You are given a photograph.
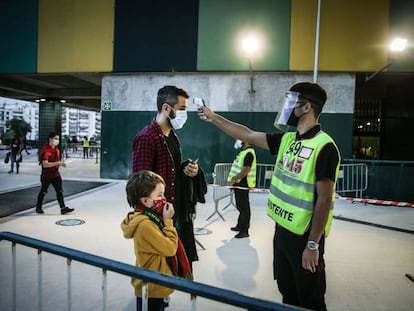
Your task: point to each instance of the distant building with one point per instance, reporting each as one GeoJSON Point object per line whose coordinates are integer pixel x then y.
{"type": "Point", "coordinates": [75, 122]}
{"type": "Point", "coordinates": [20, 109]}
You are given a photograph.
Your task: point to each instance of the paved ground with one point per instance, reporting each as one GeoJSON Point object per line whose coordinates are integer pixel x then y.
{"type": "Point", "coordinates": [366, 266]}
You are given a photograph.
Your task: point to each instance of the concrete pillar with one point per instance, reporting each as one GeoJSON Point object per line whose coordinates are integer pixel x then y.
{"type": "Point", "coordinates": [50, 119]}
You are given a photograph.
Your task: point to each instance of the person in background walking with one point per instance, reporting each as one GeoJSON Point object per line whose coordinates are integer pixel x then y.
{"type": "Point", "coordinates": [50, 161]}
{"type": "Point", "coordinates": [16, 147]}
{"type": "Point", "coordinates": [25, 146]}
{"type": "Point", "coordinates": [64, 146]}
{"type": "Point", "coordinates": [85, 145]}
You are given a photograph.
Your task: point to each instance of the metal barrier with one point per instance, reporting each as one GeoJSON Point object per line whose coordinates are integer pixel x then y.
{"type": "Point", "coordinates": [193, 288]}
{"type": "Point", "coordinates": [388, 179]}
{"type": "Point", "coordinates": [351, 178]}
{"type": "Point", "coordinates": [223, 189]}
{"type": "Point", "coordinates": [221, 171]}
{"type": "Point", "coordinates": [75, 150]}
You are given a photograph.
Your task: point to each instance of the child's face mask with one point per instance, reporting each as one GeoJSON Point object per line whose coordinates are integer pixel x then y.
{"type": "Point", "coordinates": [158, 206]}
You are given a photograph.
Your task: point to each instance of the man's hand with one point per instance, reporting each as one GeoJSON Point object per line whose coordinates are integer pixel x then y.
{"type": "Point", "coordinates": [62, 164]}
{"type": "Point", "coordinates": [310, 259]}
{"type": "Point", "coordinates": [191, 169]}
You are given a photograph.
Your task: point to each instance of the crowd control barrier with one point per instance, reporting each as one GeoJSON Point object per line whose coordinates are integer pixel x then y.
{"type": "Point", "coordinates": [352, 179]}
{"type": "Point", "coordinates": [75, 150]}
{"type": "Point", "coordinates": [223, 189]}
{"type": "Point", "coordinates": [193, 288]}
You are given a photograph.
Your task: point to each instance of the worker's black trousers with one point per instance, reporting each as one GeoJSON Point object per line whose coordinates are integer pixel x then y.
{"type": "Point", "coordinates": [243, 206]}
{"type": "Point", "coordinates": [299, 287]}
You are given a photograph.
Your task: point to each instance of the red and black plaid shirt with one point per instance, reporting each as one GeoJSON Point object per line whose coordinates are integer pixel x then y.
{"type": "Point", "coordinates": [150, 152]}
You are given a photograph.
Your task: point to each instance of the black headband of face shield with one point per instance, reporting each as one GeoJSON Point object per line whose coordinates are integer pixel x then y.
{"type": "Point", "coordinates": [306, 99]}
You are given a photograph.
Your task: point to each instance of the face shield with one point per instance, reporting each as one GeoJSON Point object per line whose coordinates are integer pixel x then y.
{"type": "Point", "coordinates": [286, 119]}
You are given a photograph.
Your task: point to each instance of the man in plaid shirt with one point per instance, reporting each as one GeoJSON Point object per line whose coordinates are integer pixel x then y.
{"type": "Point", "coordinates": [157, 148]}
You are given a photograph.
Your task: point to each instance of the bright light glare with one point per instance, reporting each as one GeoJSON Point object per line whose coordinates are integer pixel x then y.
{"type": "Point", "coordinates": [398, 45]}
{"type": "Point", "coordinates": [250, 45]}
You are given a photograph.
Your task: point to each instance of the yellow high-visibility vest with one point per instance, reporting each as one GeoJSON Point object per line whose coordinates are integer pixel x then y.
{"type": "Point", "coordinates": [292, 190]}
{"type": "Point", "coordinates": [238, 165]}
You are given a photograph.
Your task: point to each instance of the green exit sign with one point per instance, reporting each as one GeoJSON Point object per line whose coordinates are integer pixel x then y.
{"type": "Point", "coordinates": [107, 106]}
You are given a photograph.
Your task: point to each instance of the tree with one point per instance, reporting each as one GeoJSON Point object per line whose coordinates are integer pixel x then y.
{"type": "Point", "coordinates": [19, 126]}
{"type": "Point", "coordinates": [8, 136]}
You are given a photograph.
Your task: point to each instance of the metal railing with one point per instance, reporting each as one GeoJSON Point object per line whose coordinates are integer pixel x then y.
{"type": "Point", "coordinates": [193, 288]}
{"type": "Point", "coordinates": [352, 178]}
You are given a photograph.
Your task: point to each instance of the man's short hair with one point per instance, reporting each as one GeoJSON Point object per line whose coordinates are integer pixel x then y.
{"type": "Point", "coordinates": [169, 94]}
{"type": "Point", "coordinates": [313, 92]}
{"type": "Point", "coordinates": [52, 134]}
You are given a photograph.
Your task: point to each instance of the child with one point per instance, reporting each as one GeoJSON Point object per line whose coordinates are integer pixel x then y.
{"type": "Point", "coordinates": [155, 239]}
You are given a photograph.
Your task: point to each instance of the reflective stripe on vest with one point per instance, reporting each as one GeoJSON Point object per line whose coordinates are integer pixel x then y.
{"type": "Point", "coordinates": [292, 190]}
{"type": "Point", "coordinates": [238, 165]}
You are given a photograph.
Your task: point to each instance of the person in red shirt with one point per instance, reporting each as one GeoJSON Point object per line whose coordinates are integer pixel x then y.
{"type": "Point", "coordinates": [50, 161]}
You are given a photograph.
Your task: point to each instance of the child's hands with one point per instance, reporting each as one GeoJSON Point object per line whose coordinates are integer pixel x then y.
{"type": "Point", "coordinates": [168, 211]}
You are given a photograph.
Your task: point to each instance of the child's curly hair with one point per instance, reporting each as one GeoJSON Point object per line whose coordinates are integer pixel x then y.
{"type": "Point", "coordinates": [141, 184]}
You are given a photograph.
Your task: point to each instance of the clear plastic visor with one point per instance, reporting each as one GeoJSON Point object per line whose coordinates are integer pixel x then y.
{"type": "Point", "coordinates": [281, 121]}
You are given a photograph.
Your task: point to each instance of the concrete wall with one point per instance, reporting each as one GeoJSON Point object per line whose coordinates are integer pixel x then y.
{"type": "Point", "coordinates": [129, 104]}
{"type": "Point", "coordinates": [224, 92]}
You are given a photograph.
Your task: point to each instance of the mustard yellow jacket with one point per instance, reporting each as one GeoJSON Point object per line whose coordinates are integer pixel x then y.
{"type": "Point", "coordinates": [152, 247]}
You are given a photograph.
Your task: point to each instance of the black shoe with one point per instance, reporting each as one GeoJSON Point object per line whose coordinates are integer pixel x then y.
{"type": "Point", "coordinates": [235, 228]}
{"type": "Point", "coordinates": [66, 210]}
{"type": "Point", "coordinates": [241, 235]}
{"type": "Point", "coordinates": [10, 172]}
{"type": "Point", "coordinates": [39, 210]}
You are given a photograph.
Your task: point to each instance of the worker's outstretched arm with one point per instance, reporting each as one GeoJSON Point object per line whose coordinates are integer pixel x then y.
{"type": "Point", "coordinates": [233, 129]}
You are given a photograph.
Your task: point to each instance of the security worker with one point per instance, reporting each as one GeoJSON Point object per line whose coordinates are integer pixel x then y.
{"type": "Point", "coordinates": [302, 191]}
{"type": "Point", "coordinates": [243, 175]}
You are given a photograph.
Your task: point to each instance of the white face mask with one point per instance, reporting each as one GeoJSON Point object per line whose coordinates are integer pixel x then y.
{"type": "Point", "coordinates": [179, 120]}
{"type": "Point", "coordinates": [55, 142]}
{"type": "Point", "coordinates": [238, 144]}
